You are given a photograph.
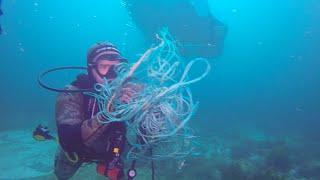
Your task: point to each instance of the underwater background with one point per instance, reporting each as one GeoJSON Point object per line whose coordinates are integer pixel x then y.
{"type": "Point", "coordinates": [259, 108]}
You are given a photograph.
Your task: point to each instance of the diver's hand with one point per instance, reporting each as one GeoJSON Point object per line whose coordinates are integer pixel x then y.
{"type": "Point", "coordinates": [129, 92]}
{"type": "Point", "coordinates": [91, 129]}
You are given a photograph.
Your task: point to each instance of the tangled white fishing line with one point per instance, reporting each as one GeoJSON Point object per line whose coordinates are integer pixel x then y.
{"type": "Point", "coordinates": [160, 106]}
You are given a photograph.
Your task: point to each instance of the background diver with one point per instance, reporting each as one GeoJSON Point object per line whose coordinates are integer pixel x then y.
{"type": "Point", "coordinates": [191, 23]}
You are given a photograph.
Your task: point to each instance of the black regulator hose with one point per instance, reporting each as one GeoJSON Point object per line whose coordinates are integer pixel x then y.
{"type": "Point", "coordinates": [43, 74]}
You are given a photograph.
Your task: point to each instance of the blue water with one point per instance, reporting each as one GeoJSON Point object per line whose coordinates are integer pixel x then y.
{"type": "Point", "coordinates": [264, 85]}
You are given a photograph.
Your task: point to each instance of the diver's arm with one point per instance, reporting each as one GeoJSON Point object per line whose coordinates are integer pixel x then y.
{"type": "Point", "coordinates": [69, 117]}
{"type": "Point", "coordinates": [91, 129]}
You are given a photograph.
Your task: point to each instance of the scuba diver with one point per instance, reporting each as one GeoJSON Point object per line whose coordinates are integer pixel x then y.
{"type": "Point", "coordinates": [94, 112]}
{"type": "Point", "coordinates": [83, 139]}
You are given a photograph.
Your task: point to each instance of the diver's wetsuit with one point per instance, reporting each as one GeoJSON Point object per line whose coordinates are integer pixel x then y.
{"type": "Point", "coordinates": [73, 111]}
